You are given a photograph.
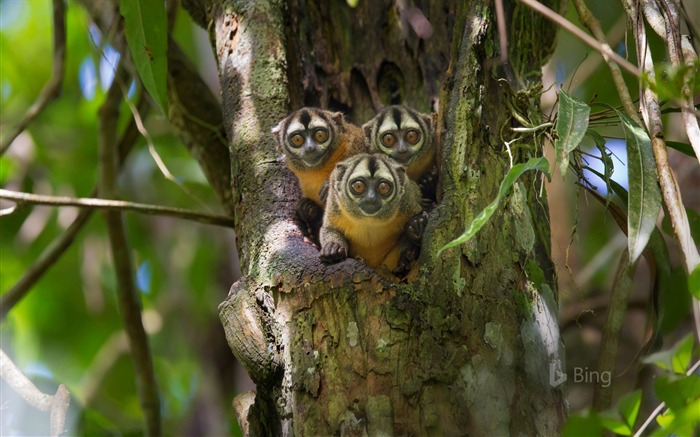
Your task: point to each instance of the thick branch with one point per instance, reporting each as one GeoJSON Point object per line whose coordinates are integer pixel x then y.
{"type": "Point", "coordinates": [116, 205]}
{"type": "Point", "coordinates": [129, 298]}
{"type": "Point", "coordinates": [53, 86]}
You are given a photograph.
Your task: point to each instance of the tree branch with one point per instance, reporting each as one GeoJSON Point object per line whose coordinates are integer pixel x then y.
{"type": "Point", "coordinates": [116, 205]}
{"type": "Point", "coordinates": [57, 248]}
{"type": "Point", "coordinates": [651, 113]}
{"type": "Point", "coordinates": [592, 23]}
{"type": "Point", "coordinates": [603, 48]}
{"type": "Point", "coordinates": [52, 89]}
{"type": "Point", "coordinates": [128, 296]}
{"type": "Point", "coordinates": [57, 404]}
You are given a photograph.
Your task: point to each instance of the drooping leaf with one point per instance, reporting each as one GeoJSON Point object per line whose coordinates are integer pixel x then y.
{"type": "Point", "coordinates": [644, 203]}
{"type": "Point", "coordinates": [145, 26]}
{"type": "Point", "coordinates": [572, 123]}
{"type": "Point", "coordinates": [480, 220]}
{"type": "Point", "coordinates": [675, 359]}
{"type": "Point", "coordinates": [681, 147]}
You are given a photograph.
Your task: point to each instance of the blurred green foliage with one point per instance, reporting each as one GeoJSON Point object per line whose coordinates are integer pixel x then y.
{"type": "Point", "coordinates": [67, 329]}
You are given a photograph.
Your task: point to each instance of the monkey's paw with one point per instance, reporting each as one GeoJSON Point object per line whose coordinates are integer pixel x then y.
{"type": "Point", "coordinates": [307, 210]}
{"type": "Point", "coordinates": [333, 252]}
{"type": "Point", "coordinates": [416, 226]}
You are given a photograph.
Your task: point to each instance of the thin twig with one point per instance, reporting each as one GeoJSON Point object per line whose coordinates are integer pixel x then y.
{"type": "Point", "coordinates": [592, 23]}
{"type": "Point", "coordinates": [52, 89]}
{"type": "Point", "coordinates": [662, 405]}
{"type": "Point", "coordinates": [57, 404]}
{"type": "Point", "coordinates": [116, 205]}
{"type": "Point", "coordinates": [603, 48]}
{"type": "Point", "coordinates": [128, 296]}
{"type": "Point", "coordinates": [58, 247]}
{"type": "Point", "coordinates": [679, 54]}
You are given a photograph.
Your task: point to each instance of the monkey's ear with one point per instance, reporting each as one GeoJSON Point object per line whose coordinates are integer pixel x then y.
{"type": "Point", "coordinates": [338, 117]}
{"type": "Point", "coordinates": [428, 118]}
{"type": "Point", "coordinates": [276, 130]}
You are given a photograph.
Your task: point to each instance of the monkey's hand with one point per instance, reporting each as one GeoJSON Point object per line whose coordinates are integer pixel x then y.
{"type": "Point", "coordinates": [415, 228]}
{"type": "Point", "coordinates": [308, 219]}
{"type": "Point", "coordinates": [333, 252]}
{"type": "Point", "coordinates": [308, 211]}
{"type": "Point", "coordinates": [408, 255]}
{"type": "Point", "coordinates": [428, 184]}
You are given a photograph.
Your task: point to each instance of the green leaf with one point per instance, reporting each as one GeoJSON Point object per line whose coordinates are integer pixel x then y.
{"type": "Point", "coordinates": [572, 123]}
{"type": "Point", "coordinates": [644, 203]}
{"type": "Point", "coordinates": [146, 32]}
{"type": "Point", "coordinates": [694, 282]}
{"type": "Point", "coordinates": [611, 420]}
{"type": "Point", "coordinates": [577, 426]}
{"type": "Point", "coordinates": [681, 147]}
{"type": "Point", "coordinates": [677, 392]}
{"type": "Point", "coordinates": [628, 406]}
{"type": "Point", "coordinates": [675, 359]}
{"type": "Point", "coordinates": [681, 422]}
{"type": "Point", "coordinates": [514, 173]}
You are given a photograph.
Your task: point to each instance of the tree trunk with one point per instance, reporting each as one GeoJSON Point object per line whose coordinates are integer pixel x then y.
{"type": "Point", "coordinates": [465, 344]}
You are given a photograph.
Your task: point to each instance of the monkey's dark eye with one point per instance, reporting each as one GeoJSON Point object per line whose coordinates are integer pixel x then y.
{"type": "Point", "coordinates": [358, 186]}
{"type": "Point", "coordinates": [412, 137]}
{"type": "Point", "coordinates": [384, 188]}
{"type": "Point", "coordinates": [296, 140]}
{"type": "Point", "coordinates": [389, 140]}
{"type": "Point", "coordinates": [320, 136]}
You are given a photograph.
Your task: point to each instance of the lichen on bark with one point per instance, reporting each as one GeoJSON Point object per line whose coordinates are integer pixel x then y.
{"type": "Point", "coordinates": [459, 347]}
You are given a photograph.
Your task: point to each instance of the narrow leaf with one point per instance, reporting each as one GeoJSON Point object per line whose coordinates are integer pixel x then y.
{"type": "Point", "coordinates": [644, 203]}
{"type": "Point", "coordinates": [694, 282]}
{"type": "Point", "coordinates": [145, 26]}
{"type": "Point", "coordinates": [572, 123]}
{"type": "Point", "coordinates": [513, 174]}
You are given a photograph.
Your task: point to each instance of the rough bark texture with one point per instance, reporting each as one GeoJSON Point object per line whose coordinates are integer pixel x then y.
{"type": "Point", "coordinates": [464, 346]}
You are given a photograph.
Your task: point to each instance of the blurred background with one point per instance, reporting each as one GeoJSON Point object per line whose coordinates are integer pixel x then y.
{"type": "Point", "coordinates": [67, 330]}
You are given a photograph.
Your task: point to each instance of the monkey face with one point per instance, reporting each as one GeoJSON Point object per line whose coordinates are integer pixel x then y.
{"type": "Point", "coordinates": [399, 132]}
{"type": "Point", "coordinates": [370, 185]}
{"type": "Point", "coordinates": [308, 136]}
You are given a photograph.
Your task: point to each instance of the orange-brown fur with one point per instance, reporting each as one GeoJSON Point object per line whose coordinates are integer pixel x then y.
{"type": "Point", "coordinates": [376, 241]}
{"type": "Point", "coordinates": [418, 168]}
{"type": "Point", "coordinates": [311, 180]}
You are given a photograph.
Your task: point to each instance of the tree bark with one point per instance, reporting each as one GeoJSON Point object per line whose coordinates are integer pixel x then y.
{"type": "Point", "coordinates": [464, 345]}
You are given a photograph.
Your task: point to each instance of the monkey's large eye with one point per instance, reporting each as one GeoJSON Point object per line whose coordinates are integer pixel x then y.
{"type": "Point", "coordinates": [389, 140]}
{"type": "Point", "coordinates": [358, 186]}
{"type": "Point", "coordinates": [412, 136]}
{"type": "Point", "coordinates": [384, 188]}
{"type": "Point", "coordinates": [320, 136]}
{"type": "Point", "coordinates": [296, 140]}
